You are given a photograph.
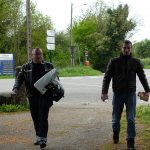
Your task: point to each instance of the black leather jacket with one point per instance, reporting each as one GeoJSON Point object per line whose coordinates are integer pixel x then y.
{"type": "Point", "coordinates": [25, 75]}
{"type": "Point", "coordinates": [123, 72]}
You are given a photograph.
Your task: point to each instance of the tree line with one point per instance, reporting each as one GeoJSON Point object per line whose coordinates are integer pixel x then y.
{"type": "Point", "coordinates": [100, 31]}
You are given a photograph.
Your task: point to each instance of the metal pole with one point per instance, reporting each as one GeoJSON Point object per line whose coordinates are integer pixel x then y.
{"type": "Point", "coordinates": [50, 56]}
{"type": "Point", "coordinates": [71, 41]}
{"type": "Point", "coordinates": [71, 46]}
{"type": "Point", "coordinates": [79, 54]}
{"type": "Point", "coordinates": [28, 19]}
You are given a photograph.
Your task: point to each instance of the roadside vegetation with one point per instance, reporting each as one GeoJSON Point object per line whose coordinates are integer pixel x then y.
{"type": "Point", "coordinates": [6, 76]}
{"type": "Point", "coordinates": [78, 71]}
{"type": "Point", "coordinates": [142, 51]}
{"type": "Point", "coordinates": [146, 63]}
{"type": "Point", "coordinates": [142, 128]}
{"type": "Point", "coordinates": [70, 72]}
{"type": "Point", "coordinates": [13, 107]}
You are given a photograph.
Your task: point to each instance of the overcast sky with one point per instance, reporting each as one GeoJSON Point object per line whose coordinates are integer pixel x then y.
{"type": "Point", "coordinates": [59, 11]}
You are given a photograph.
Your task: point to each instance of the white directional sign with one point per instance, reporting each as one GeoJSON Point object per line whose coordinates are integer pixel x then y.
{"type": "Point", "coordinates": [51, 46]}
{"type": "Point", "coordinates": [6, 56]}
{"type": "Point", "coordinates": [50, 32]}
{"type": "Point", "coordinates": [50, 39]}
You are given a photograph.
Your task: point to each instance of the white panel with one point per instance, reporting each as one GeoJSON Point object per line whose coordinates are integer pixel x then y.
{"type": "Point", "coordinates": [50, 33]}
{"type": "Point", "coordinates": [51, 46]}
{"type": "Point", "coordinates": [51, 40]}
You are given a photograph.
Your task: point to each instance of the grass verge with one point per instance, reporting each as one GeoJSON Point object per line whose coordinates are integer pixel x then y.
{"type": "Point", "coordinates": [78, 71]}
{"type": "Point", "coordinates": [13, 108]}
{"type": "Point", "coordinates": [6, 76]}
{"type": "Point", "coordinates": [142, 129]}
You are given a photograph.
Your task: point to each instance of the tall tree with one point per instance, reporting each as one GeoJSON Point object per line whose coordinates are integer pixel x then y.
{"type": "Point", "coordinates": [61, 55]}
{"type": "Point", "coordinates": [88, 31]}
{"type": "Point", "coordinates": [117, 27]}
{"type": "Point", "coordinates": [105, 30]}
{"type": "Point", "coordinates": [5, 21]}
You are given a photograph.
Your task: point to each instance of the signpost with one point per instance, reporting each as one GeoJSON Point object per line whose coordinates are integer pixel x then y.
{"type": "Point", "coordinates": [6, 64]}
{"type": "Point", "coordinates": [50, 42]}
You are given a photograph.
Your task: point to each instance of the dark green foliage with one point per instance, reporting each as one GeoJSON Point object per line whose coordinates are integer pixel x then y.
{"type": "Point", "coordinates": [61, 55]}
{"type": "Point", "coordinates": [142, 49]}
{"type": "Point", "coordinates": [117, 27]}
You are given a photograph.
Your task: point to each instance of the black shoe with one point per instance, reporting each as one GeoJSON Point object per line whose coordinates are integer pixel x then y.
{"type": "Point", "coordinates": [42, 144]}
{"type": "Point", "coordinates": [130, 144]}
{"type": "Point", "coordinates": [116, 137]}
{"type": "Point", "coordinates": [37, 143]}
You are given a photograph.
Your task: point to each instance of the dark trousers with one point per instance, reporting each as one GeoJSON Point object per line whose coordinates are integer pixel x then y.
{"type": "Point", "coordinates": [39, 107]}
{"type": "Point", "coordinates": [129, 100]}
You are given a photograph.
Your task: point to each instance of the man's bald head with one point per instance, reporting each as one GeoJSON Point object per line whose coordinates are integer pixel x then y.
{"type": "Point", "coordinates": [36, 50]}
{"type": "Point", "coordinates": [37, 55]}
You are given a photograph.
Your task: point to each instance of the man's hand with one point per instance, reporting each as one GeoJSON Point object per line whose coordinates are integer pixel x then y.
{"type": "Point", "coordinates": [144, 96]}
{"type": "Point", "coordinates": [14, 92]}
{"type": "Point", "coordinates": [147, 94]}
{"type": "Point", "coordinates": [104, 97]}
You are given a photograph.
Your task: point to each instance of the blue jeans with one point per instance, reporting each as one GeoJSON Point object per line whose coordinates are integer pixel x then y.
{"type": "Point", "coordinates": [129, 99]}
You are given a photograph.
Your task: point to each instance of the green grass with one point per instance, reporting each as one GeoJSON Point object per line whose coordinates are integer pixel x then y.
{"type": "Point", "coordinates": [142, 129]}
{"type": "Point", "coordinates": [13, 108]}
{"type": "Point", "coordinates": [147, 67]}
{"type": "Point", "coordinates": [78, 71]}
{"type": "Point", "coordinates": [143, 113]}
{"type": "Point", "coordinates": [146, 63]}
{"type": "Point", "coordinates": [6, 76]}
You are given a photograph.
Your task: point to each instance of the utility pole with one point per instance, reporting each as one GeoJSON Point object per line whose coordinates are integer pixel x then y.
{"type": "Point", "coordinates": [28, 21]}
{"type": "Point", "coordinates": [71, 39]}
{"type": "Point", "coordinates": [71, 46]}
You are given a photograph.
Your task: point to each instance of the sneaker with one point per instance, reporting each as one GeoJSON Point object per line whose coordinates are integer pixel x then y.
{"type": "Point", "coordinates": [116, 137]}
{"type": "Point", "coordinates": [42, 144]}
{"type": "Point", "coordinates": [130, 144]}
{"type": "Point", "coordinates": [37, 142]}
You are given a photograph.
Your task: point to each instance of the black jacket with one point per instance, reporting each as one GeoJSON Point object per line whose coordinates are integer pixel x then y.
{"type": "Point", "coordinates": [123, 72]}
{"type": "Point", "coordinates": [25, 75]}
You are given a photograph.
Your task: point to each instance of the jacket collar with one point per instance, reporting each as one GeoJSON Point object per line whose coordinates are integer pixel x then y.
{"type": "Point", "coordinates": [126, 57]}
{"type": "Point", "coordinates": [31, 62]}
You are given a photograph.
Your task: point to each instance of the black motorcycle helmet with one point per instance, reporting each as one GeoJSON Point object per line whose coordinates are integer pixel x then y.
{"type": "Point", "coordinates": [56, 92]}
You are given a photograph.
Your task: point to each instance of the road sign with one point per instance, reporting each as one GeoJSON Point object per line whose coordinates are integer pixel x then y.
{"type": "Point", "coordinates": [51, 46]}
{"type": "Point", "coordinates": [50, 40]}
{"type": "Point", "coordinates": [50, 32]}
{"type": "Point", "coordinates": [6, 64]}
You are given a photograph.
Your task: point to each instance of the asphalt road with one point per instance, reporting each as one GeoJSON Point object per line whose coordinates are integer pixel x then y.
{"type": "Point", "coordinates": [78, 89]}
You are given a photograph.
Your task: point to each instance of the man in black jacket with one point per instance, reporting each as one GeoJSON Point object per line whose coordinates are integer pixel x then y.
{"type": "Point", "coordinates": [123, 72]}
{"type": "Point", "coordinates": [39, 104]}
